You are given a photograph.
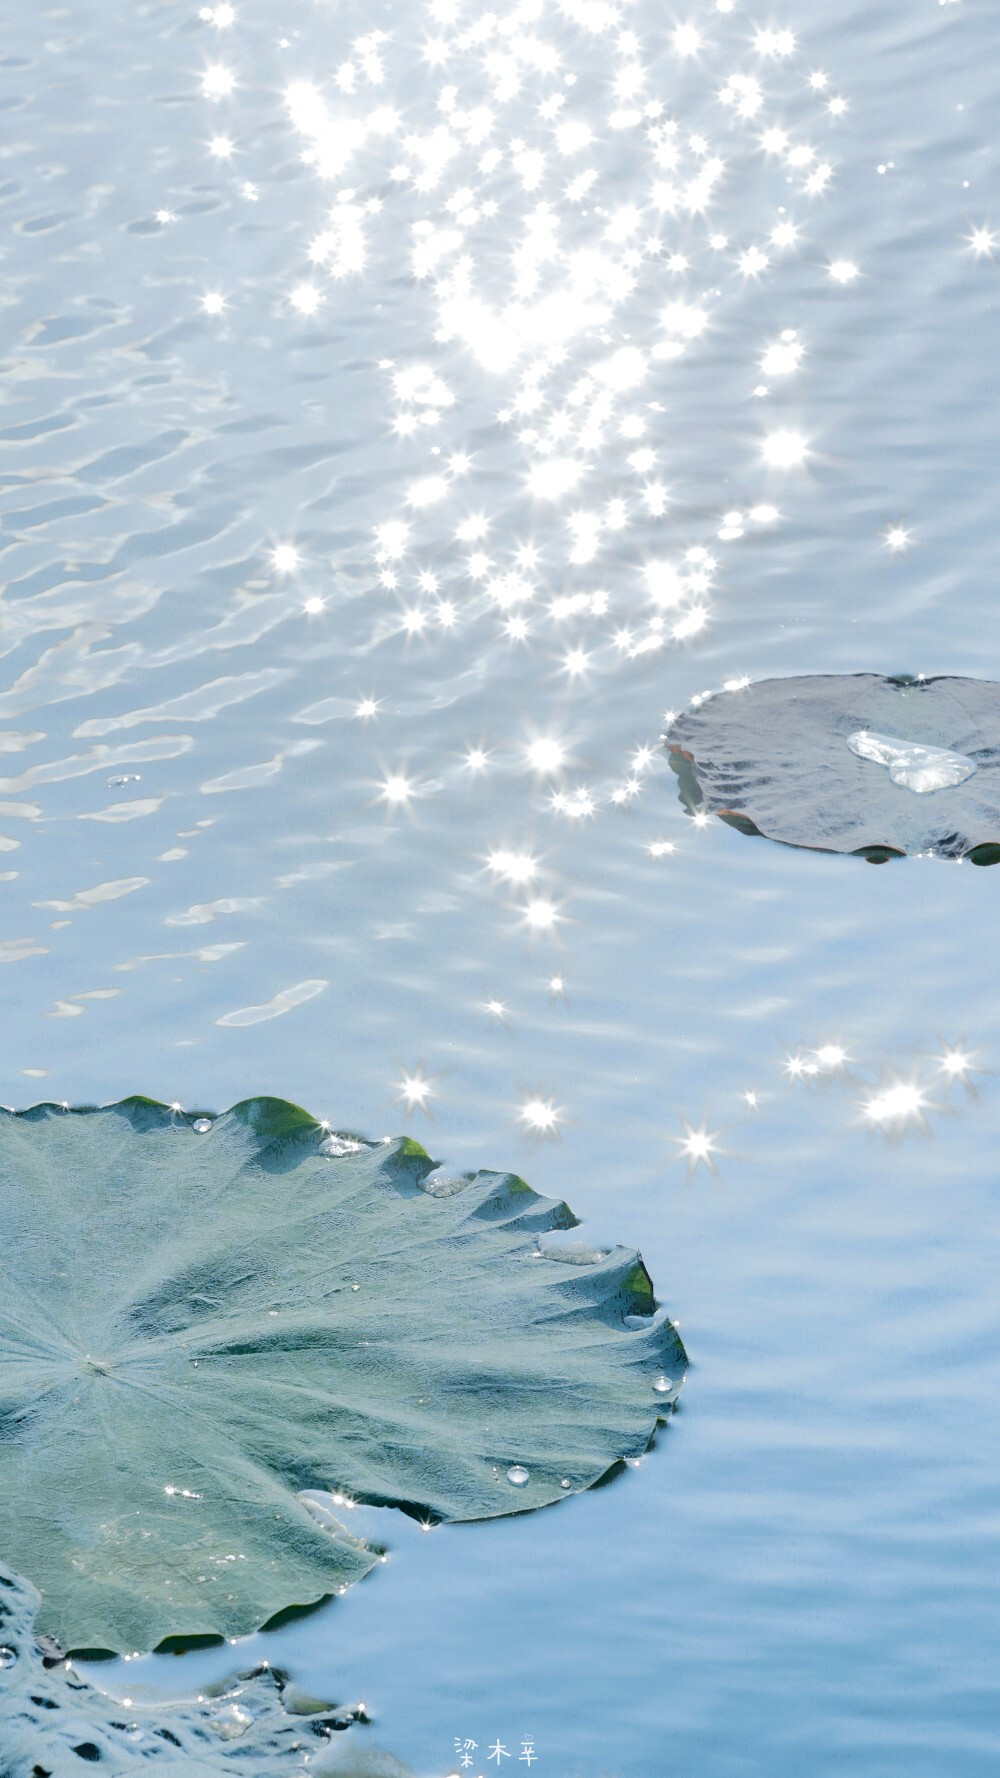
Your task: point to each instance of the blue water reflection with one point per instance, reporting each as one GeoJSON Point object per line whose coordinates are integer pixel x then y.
{"type": "Point", "coordinates": [405, 410]}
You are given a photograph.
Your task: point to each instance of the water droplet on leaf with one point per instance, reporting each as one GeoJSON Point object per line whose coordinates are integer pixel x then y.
{"type": "Point", "coordinates": [230, 1722]}
{"type": "Point", "coordinates": [914, 765]}
{"type": "Point", "coordinates": [337, 1146]}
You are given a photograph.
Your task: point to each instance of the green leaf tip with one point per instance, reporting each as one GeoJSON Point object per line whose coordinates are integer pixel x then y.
{"type": "Point", "coordinates": [411, 1149]}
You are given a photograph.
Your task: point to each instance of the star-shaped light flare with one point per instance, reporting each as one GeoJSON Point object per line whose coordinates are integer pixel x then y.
{"type": "Point", "coordinates": [414, 1090]}
{"type": "Point", "coordinates": [697, 1146]}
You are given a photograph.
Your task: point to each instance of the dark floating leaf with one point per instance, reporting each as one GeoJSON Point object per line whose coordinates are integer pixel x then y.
{"type": "Point", "coordinates": [53, 1721]}
{"type": "Point", "coordinates": [849, 763]}
{"type": "Point", "coordinates": [204, 1317]}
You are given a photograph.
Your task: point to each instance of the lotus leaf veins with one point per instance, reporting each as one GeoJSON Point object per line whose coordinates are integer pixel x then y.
{"type": "Point", "coordinates": [203, 1317]}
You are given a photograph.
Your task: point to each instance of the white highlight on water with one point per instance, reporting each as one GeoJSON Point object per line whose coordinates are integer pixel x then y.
{"type": "Point", "coordinates": [911, 764]}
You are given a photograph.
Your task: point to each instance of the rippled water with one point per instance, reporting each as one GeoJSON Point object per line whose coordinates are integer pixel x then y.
{"type": "Point", "coordinates": [404, 409]}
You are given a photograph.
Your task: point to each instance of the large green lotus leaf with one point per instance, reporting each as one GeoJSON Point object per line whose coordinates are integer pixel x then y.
{"type": "Point", "coordinates": [849, 763]}
{"type": "Point", "coordinates": [255, 1725]}
{"type": "Point", "coordinates": [199, 1323]}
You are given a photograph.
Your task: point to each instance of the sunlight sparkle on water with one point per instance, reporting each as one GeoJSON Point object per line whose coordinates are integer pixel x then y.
{"type": "Point", "coordinates": [391, 539]}
{"type": "Point", "coordinates": [784, 234]}
{"type": "Point", "coordinates": [785, 449]}
{"type": "Point", "coordinates": [687, 40]}
{"type": "Point", "coordinates": [306, 299]}
{"type": "Point", "coordinates": [217, 82]}
{"type": "Point", "coordinates": [689, 625]}
{"type": "Point", "coordinates": [697, 1146]}
{"type": "Point", "coordinates": [900, 1104]}
{"type": "Point", "coordinates": [428, 491]}
{"type": "Point", "coordinates": [415, 1090]}
{"type": "Point", "coordinates": [956, 1063]}
{"type": "Point", "coordinates": [784, 356]}
{"type": "Point", "coordinates": [796, 1066]}
{"type": "Point", "coordinates": [540, 1115]}
{"type": "Point", "coordinates": [546, 754]}
{"type": "Point", "coordinates": [983, 242]}
{"type": "Point", "coordinates": [774, 43]}
{"type": "Point", "coordinates": [396, 790]}
{"type": "Point", "coordinates": [541, 915]}
{"type": "Point", "coordinates": [514, 867]}
{"type": "Point", "coordinates": [598, 486]}
{"type": "Point", "coordinates": [576, 663]}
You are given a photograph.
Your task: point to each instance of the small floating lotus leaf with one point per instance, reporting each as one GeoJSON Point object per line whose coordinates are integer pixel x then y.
{"type": "Point", "coordinates": [254, 1726]}
{"type": "Point", "coordinates": [850, 763]}
{"type": "Point", "coordinates": [197, 1325]}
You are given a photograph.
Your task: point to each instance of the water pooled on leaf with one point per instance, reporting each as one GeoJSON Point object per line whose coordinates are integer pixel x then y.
{"type": "Point", "coordinates": [231, 1721]}
{"type": "Point", "coordinates": [915, 767]}
{"type": "Point", "coordinates": [518, 1475]}
{"type": "Point", "coordinates": [272, 1320]}
{"type": "Point", "coordinates": [849, 763]}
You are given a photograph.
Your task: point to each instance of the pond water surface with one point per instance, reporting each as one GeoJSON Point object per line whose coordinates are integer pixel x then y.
{"type": "Point", "coordinates": [404, 408]}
